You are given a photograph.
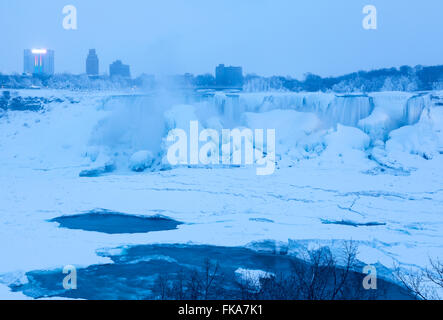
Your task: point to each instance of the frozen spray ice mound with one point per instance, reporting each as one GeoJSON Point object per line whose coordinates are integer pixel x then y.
{"type": "Point", "coordinates": [425, 138]}
{"type": "Point", "coordinates": [298, 133]}
{"type": "Point", "coordinates": [306, 124]}
{"type": "Point", "coordinates": [132, 124]}
{"type": "Point", "coordinates": [346, 138]}
{"type": "Point", "coordinates": [387, 115]}
{"type": "Point", "coordinates": [111, 130]}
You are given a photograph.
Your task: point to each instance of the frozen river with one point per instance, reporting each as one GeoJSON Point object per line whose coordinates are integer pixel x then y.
{"type": "Point", "coordinates": [374, 185]}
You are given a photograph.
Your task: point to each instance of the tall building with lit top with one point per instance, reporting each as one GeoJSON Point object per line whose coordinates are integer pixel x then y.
{"type": "Point", "coordinates": [39, 61]}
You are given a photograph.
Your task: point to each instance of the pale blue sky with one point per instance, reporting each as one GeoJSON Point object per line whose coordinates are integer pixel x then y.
{"type": "Point", "coordinates": [282, 37]}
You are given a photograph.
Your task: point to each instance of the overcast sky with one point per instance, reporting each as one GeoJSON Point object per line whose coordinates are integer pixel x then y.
{"type": "Point", "coordinates": [267, 37]}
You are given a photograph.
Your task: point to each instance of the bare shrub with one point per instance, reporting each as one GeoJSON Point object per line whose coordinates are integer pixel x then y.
{"type": "Point", "coordinates": [190, 284]}
{"type": "Point", "coordinates": [316, 275]}
{"type": "Point", "coordinates": [426, 284]}
{"type": "Point", "coordinates": [319, 276]}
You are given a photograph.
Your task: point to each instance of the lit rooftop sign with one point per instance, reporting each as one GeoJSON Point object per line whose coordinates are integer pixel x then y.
{"type": "Point", "coordinates": [39, 51]}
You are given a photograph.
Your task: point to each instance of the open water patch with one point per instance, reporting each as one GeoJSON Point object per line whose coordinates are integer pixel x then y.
{"type": "Point", "coordinates": [116, 223]}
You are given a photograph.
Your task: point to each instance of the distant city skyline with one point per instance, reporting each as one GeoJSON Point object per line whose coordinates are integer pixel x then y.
{"type": "Point", "coordinates": [267, 37]}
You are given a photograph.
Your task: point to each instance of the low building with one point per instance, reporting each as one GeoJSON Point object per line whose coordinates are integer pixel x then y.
{"type": "Point", "coordinates": [228, 76]}
{"type": "Point", "coordinates": [118, 69]}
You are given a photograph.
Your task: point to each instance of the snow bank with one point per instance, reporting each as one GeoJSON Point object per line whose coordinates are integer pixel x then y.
{"type": "Point", "coordinates": [424, 138]}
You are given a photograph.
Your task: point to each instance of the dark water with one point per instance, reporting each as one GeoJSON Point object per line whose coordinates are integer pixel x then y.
{"type": "Point", "coordinates": [135, 274]}
{"type": "Point", "coordinates": [354, 224]}
{"type": "Point", "coordinates": [116, 223]}
{"type": "Point", "coordinates": [97, 172]}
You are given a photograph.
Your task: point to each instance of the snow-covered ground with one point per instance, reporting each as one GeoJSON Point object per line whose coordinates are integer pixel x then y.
{"type": "Point", "coordinates": [363, 167]}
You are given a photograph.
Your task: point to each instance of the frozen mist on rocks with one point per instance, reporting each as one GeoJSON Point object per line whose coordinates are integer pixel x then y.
{"type": "Point", "coordinates": [366, 167]}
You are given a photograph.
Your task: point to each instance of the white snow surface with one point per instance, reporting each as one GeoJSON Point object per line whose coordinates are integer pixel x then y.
{"type": "Point", "coordinates": [252, 277]}
{"type": "Point", "coordinates": [366, 158]}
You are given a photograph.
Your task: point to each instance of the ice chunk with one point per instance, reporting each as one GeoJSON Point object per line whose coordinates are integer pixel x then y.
{"type": "Point", "coordinates": [141, 160]}
{"type": "Point", "coordinates": [98, 171]}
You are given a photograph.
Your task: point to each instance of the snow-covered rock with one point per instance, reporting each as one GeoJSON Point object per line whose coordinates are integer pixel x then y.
{"type": "Point", "coordinates": [252, 278]}
{"type": "Point", "coordinates": [141, 160]}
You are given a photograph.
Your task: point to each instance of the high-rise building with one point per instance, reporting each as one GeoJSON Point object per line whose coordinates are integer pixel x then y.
{"type": "Point", "coordinates": [39, 61]}
{"type": "Point", "coordinates": [92, 68]}
{"type": "Point", "coordinates": [117, 68]}
{"type": "Point", "coordinates": [229, 76]}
